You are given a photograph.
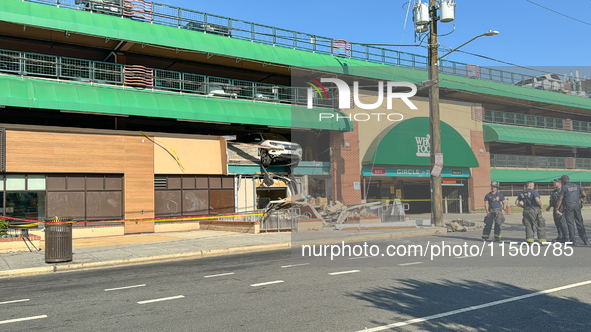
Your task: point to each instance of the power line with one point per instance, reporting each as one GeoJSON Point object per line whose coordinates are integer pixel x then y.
{"type": "Point", "coordinates": [505, 62]}
{"type": "Point", "coordinates": [561, 14]}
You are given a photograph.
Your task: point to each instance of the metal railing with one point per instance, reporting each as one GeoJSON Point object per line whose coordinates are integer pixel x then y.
{"type": "Point", "coordinates": [519, 161]}
{"type": "Point", "coordinates": [256, 216]}
{"type": "Point", "coordinates": [228, 27]}
{"type": "Point", "coordinates": [281, 220]}
{"type": "Point", "coordinates": [537, 121]}
{"type": "Point", "coordinates": [94, 72]}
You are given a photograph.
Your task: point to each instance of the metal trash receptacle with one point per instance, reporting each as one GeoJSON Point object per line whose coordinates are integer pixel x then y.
{"type": "Point", "coordinates": [58, 240]}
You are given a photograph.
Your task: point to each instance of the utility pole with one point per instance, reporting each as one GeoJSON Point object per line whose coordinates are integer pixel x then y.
{"type": "Point", "coordinates": [435, 131]}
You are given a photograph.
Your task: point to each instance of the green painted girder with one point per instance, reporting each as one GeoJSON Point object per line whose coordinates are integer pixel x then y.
{"type": "Point", "coordinates": [524, 175]}
{"type": "Point", "coordinates": [101, 25]}
{"type": "Point", "coordinates": [515, 134]}
{"type": "Point", "coordinates": [83, 97]}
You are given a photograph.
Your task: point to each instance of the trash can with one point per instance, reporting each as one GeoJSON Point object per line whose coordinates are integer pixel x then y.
{"type": "Point", "coordinates": [58, 240]}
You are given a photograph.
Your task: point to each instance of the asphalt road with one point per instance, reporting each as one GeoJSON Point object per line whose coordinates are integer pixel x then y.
{"type": "Point", "coordinates": [282, 291]}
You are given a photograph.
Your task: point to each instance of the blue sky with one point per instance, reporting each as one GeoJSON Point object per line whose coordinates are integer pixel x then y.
{"type": "Point", "coordinates": [529, 35]}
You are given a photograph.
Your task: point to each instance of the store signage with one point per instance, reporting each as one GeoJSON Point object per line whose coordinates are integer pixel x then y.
{"type": "Point", "coordinates": [414, 172]}
{"type": "Point", "coordinates": [423, 146]}
{"type": "Point", "coordinates": [378, 171]}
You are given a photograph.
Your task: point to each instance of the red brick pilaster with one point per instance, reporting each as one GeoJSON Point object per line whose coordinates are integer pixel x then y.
{"type": "Point", "coordinates": [481, 178]}
{"type": "Point", "coordinates": [345, 168]}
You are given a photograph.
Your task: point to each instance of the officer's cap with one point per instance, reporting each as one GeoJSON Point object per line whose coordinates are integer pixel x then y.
{"type": "Point", "coordinates": [556, 180]}
{"type": "Point", "coordinates": [565, 178]}
{"type": "Point", "coordinates": [495, 184]}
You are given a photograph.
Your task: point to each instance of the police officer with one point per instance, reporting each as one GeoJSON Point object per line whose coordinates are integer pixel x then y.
{"type": "Point", "coordinates": [570, 197]}
{"type": "Point", "coordinates": [532, 213]}
{"type": "Point", "coordinates": [495, 205]}
{"type": "Point", "coordinates": [558, 217]}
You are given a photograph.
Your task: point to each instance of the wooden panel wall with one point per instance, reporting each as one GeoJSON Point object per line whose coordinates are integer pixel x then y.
{"type": "Point", "coordinates": [47, 152]}
{"type": "Point", "coordinates": [139, 183]}
{"type": "Point", "coordinates": [198, 156]}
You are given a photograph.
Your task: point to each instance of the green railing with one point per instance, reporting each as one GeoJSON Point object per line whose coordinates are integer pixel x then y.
{"type": "Point", "coordinates": [519, 161]}
{"type": "Point", "coordinates": [94, 72]}
{"type": "Point", "coordinates": [537, 121]}
{"type": "Point", "coordinates": [228, 27]}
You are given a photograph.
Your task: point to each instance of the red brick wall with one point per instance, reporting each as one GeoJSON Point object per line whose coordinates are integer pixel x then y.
{"type": "Point", "coordinates": [480, 181]}
{"type": "Point", "coordinates": [345, 166]}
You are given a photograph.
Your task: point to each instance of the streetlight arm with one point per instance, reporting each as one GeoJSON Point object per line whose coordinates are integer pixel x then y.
{"type": "Point", "coordinates": [455, 49]}
{"type": "Point", "coordinates": [489, 33]}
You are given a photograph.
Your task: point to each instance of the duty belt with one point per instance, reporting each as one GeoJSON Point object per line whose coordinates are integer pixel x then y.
{"type": "Point", "coordinates": [576, 202]}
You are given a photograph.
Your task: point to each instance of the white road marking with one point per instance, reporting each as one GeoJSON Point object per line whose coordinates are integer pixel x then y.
{"type": "Point", "coordinates": [162, 299]}
{"type": "Point", "coordinates": [15, 301]}
{"type": "Point", "coordinates": [126, 287]}
{"type": "Point", "coordinates": [219, 275]}
{"type": "Point", "coordinates": [464, 256]}
{"type": "Point", "coordinates": [267, 283]}
{"type": "Point", "coordinates": [294, 265]}
{"type": "Point", "coordinates": [477, 307]}
{"type": "Point", "coordinates": [414, 263]}
{"type": "Point", "coordinates": [22, 319]}
{"type": "Point", "coordinates": [343, 272]}
{"type": "Point", "coordinates": [359, 257]}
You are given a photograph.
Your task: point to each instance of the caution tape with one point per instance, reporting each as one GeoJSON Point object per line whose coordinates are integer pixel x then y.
{"type": "Point", "coordinates": [32, 223]}
{"type": "Point", "coordinates": [410, 200]}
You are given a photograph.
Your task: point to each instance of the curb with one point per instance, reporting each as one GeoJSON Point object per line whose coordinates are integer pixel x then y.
{"type": "Point", "coordinates": [142, 260]}
{"type": "Point", "coordinates": [210, 253]}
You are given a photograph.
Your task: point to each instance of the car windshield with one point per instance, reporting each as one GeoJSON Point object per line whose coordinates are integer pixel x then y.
{"type": "Point", "coordinates": [274, 137]}
{"type": "Point", "coordinates": [555, 77]}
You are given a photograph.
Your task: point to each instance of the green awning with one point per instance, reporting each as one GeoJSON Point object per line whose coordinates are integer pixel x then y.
{"type": "Point", "coordinates": [407, 144]}
{"type": "Point", "coordinates": [83, 97]}
{"type": "Point", "coordinates": [82, 22]}
{"type": "Point", "coordinates": [524, 175]}
{"type": "Point", "coordinates": [515, 134]}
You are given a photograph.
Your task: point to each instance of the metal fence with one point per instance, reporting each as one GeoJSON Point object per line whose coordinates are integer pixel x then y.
{"type": "Point", "coordinates": [537, 121]}
{"type": "Point", "coordinates": [31, 64]}
{"type": "Point", "coordinates": [518, 161]}
{"type": "Point", "coordinates": [245, 216]}
{"type": "Point", "coordinates": [281, 220]}
{"type": "Point", "coordinates": [232, 28]}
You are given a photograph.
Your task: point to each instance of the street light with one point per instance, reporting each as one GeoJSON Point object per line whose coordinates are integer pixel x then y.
{"type": "Point", "coordinates": [423, 15]}
{"type": "Point", "coordinates": [487, 34]}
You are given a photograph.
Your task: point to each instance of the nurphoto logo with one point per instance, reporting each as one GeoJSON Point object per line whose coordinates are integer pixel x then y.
{"type": "Point", "coordinates": [345, 93]}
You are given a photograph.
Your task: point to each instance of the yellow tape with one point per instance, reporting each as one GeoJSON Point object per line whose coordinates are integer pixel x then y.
{"type": "Point", "coordinates": [145, 220]}
{"type": "Point", "coordinates": [410, 200]}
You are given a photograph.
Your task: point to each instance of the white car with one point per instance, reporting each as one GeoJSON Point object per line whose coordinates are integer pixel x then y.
{"type": "Point", "coordinates": [278, 151]}
{"type": "Point", "coordinates": [549, 82]}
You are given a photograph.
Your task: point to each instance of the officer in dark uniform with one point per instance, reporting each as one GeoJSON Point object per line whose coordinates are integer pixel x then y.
{"type": "Point", "coordinates": [532, 213]}
{"type": "Point", "coordinates": [558, 217]}
{"type": "Point", "coordinates": [570, 197]}
{"type": "Point", "coordinates": [495, 205]}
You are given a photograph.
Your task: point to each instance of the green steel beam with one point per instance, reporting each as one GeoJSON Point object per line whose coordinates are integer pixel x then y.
{"type": "Point", "coordinates": [83, 97]}
{"type": "Point", "coordinates": [101, 25]}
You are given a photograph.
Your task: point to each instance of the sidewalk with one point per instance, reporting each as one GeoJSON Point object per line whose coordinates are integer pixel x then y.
{"type": "Point", "coordinates": [145, 248]}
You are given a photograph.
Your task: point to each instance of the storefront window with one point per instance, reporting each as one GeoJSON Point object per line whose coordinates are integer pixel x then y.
{"type": "Point", "coordinates": [25, 205]}
{"type": "Point", "coordinates": [15, 182]}
{"type": "Point", "coordinates": [36, 182]}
